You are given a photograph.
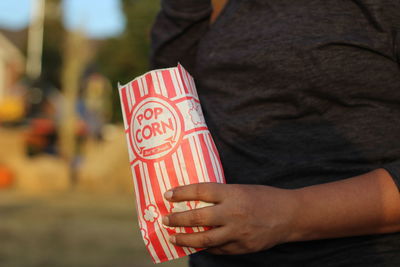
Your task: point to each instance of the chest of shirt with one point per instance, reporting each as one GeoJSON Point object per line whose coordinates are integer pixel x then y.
{"type": "Point", "coordinates": [335, 50]}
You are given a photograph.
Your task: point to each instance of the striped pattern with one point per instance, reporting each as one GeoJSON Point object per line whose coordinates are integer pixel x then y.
{"type": "Point", "coordinates": [195, 160]}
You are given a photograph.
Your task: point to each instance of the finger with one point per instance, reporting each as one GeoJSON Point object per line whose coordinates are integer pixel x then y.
{"type": "Point", "coordinates": [208, 192]}
{"type": "Point", "coordinates": [232, 248]}
{"type": "Point", "coordinates": [208, 216]}
{"type": "Point", "coordinates": [210, 238]}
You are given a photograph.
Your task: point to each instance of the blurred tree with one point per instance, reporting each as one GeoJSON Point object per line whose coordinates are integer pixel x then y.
{"type": "Point", "coordinates": [54, 34]}
{"type": "Point", "coordinates": [76, 56]}
{"type": "Point", "coordinates": [123, 58]}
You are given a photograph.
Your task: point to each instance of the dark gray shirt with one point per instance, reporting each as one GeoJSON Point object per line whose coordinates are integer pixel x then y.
{"type": "Point", "coordinates": [295, 93]}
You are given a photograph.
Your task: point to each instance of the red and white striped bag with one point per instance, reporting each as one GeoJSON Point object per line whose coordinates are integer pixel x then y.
{"type": "Point", "coordinates": [169, 145]}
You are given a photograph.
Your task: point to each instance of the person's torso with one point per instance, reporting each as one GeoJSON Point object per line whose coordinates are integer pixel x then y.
{"type": "Point", "coordinates": [304, 92]}
{"type": "Point", "coordinates": [301, 92]}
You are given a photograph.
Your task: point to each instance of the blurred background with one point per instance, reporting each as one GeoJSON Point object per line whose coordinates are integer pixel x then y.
{"type": "Point", "coordinates": [66, 197]}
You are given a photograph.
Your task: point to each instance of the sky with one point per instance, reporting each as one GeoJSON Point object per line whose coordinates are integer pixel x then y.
{"type": "Point", "coordinates": [99, 18]}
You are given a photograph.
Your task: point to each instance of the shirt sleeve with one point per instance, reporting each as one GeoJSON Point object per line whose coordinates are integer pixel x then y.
{"type": "Point", "coordinates": [177, 31]}
{"type": "Point", "coordinates": [397, 44]}
{"type": "Point", "coordinates": [393, 7]}
{"type": "Point", "coordinates": [394, 170]}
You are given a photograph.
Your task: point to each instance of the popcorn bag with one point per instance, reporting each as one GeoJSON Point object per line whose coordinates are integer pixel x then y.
{"type": "Point", "coordinates": [169, 145]}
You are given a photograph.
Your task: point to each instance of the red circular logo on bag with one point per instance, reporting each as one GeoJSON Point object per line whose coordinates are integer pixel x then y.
{"type": "Point", "coordinates": [155, 128]}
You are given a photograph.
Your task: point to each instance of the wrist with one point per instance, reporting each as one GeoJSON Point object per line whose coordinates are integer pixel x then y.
{"type": "Point", "coordinates": [296, 221]}
{"type": "Point", "coordinates": [285, 214]}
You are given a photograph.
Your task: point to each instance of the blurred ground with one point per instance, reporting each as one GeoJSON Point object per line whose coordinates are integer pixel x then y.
{"type": "Point", "coordinates": [46, 223]}
{"type": "Point", "coordinates": [71, 229]}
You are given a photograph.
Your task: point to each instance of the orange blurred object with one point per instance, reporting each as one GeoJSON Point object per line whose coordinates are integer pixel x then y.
{"type": "Point", "coordinates": [11, 109]}
{"type": "Point", "coordinates": [6, 177]}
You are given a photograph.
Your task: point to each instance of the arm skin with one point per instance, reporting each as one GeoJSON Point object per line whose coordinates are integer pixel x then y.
{"type": "Point", "coordinates": [251, 218]}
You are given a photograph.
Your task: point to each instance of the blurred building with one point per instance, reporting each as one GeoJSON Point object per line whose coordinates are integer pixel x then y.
{"type": "Point", "coordinates": [12, 67]}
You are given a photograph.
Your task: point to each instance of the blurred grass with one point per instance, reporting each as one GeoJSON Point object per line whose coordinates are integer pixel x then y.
{"type": "Point", "coordinates": [71, 229]}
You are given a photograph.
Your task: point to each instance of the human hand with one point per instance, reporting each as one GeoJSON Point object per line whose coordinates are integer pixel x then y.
{"type": "Point", "coordinates": [246, 218]}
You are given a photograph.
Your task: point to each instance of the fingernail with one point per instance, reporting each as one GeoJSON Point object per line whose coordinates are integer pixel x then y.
{"type": "Point", "coordinates": [165, 220]}
{"type": "Point", "coordinates": [168, 194]}
{"type": "Point", "coordinates": [172, 239]}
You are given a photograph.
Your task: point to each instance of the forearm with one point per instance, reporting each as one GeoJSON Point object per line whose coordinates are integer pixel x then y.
{"type": "Point", "coordinates": [251, 218]}
{"type": "Point", "coordinates": [177, 31]}
{"type": "Point", "coordinates": [366, 204]}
